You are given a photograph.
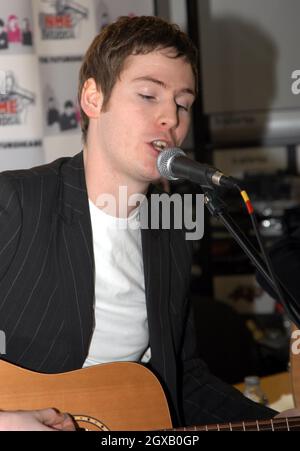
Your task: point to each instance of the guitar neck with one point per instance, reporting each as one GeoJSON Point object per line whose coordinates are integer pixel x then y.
{"type": "Point", "coordinates": [275, 424]}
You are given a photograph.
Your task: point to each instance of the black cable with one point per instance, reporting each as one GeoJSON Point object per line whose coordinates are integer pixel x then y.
{"type": "Point", "coordinates": [292, 307]}
{"type": "Point", "coordinates": [263, 264]}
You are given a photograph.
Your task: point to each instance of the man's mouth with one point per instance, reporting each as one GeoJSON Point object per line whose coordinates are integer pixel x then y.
{"type": "Point", "coordinates": [159, 145]}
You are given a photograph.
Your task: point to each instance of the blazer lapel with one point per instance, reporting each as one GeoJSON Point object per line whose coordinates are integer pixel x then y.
{"type": "Point", "coordinates": [156, 256]}
{"type": "Point", "coordinates": [77, 255]}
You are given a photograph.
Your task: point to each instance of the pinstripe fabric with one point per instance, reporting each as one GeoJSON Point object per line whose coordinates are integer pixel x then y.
{"type": "Point", "coordinates": [47, 291]}
{"type": "Point", "coordinates": [46, 269]}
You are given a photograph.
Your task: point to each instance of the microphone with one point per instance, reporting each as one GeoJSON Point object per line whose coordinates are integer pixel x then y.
{"type": "Point", "coordinates": [173, 164]}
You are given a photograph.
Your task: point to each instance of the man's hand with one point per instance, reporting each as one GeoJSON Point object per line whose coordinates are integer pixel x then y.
{"type": "Point", "coordinates": [36, 420]}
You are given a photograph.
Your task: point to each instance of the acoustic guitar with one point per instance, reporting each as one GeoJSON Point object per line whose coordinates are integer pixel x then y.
{"type": "Point", "coordinates": [116, 396]}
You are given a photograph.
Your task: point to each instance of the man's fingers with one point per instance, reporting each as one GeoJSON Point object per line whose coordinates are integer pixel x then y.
{"type": "Point", "coordinates": [66, 425]}
{"type": "Point", "coordinates": [55, 419]}
{"type": "Point", "coordinates": [48, 416]}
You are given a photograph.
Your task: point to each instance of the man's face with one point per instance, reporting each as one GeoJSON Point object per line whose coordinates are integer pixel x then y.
{"type": "Point", "coordinates": [151, 101]}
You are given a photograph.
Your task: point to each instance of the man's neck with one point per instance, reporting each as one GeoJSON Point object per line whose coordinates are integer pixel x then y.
{"type": "Point", "coordinates": [109, 190]}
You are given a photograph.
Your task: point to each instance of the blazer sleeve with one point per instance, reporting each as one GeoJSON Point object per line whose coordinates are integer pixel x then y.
{"type": "Point", "coordinates": [10, 222]}
{"type": "Point", "coordinates": [206, 399]}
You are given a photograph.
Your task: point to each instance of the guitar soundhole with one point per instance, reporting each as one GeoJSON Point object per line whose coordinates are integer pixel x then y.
{"type": "Point", "coordinates": [89, 424]}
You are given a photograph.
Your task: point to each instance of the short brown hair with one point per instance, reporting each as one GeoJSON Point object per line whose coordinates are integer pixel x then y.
{"type": "Point", "coordinates": [127, 36]}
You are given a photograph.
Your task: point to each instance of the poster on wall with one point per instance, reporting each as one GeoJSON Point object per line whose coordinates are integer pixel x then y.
{"type": "Point", "coordinates": [64, 27]}
{"type": "Point", "coordinates": [61, 146]}
{"type": "Point", "coordinates": [59, 80]}
{"type": "Point", "coordinates": [20, 103]}
{"type": "Point", "coordinates": [76, 23]}
{"type": "Point", "coordinates": [42, 43]}
{"type": "Point", "coordinates": [21, 154]}
{"type": "Point", "coordinates": [16, 27]}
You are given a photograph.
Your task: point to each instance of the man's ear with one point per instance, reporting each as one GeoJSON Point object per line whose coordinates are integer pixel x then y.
{"type": "Point", "coordinates": [91, 98]}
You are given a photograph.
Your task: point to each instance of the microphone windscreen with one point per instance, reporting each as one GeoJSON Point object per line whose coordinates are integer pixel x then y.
{"type": "Point", "coordinates": [165, 158]}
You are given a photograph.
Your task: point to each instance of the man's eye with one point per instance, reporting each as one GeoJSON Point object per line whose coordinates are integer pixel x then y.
{"type": "Point", "coordinates": [146, 97]}
{"type": "Point", "coordinates": [182, 107]}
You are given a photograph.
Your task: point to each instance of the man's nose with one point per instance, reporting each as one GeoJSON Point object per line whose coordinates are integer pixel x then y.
{"type": "Point", "coordinates": [168, 118]}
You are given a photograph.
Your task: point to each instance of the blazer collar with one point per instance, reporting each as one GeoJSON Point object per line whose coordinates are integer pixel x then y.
{"type": "Point", "coordinates": [72, 195]}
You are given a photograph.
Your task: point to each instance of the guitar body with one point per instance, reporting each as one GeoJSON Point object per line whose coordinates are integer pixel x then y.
{"type": "Point", "coordinates": [111, 397]}
{"type": "Point", "coordinates": [116, 396]}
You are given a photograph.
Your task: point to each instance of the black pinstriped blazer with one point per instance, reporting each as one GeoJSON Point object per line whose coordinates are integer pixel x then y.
{"type": "Point", "coordinates": [47, 291]}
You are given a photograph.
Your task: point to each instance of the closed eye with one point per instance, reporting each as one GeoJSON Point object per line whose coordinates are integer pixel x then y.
{"type": "Point", "coordinates": [178, 106]}
{"type": "Point", "coordinates": [147, 97]}
{"type": "Point", "coordinates": [182, 107]}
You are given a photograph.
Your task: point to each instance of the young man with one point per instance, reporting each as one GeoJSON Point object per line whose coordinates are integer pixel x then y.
{"type": "Point", "coordinates": [79, 285]}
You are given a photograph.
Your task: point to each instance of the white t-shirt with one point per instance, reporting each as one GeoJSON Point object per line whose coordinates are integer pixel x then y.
{"type": "Point", "coordinates": [121, 329]}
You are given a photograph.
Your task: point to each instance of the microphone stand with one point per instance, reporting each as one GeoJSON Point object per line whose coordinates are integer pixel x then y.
{"type": "Point", "coordinates": [217, 208]}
